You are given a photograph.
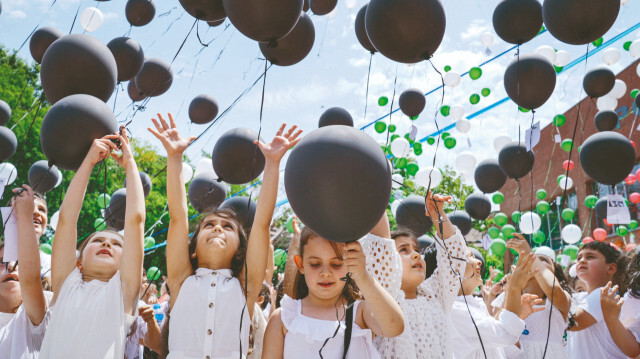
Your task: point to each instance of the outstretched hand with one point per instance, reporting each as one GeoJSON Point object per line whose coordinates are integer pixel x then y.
{"type": "Point", "coordinates": [610, 301]}
{"type": "Point", "coordinates": [127, 155]}
{"type": "Point", "coordinates": [519, 244]}
{"type": "Point", "coordinates": [280, 144]}
{"type": "Point", "coordinates": [527, 301]}
{"type": "Point", "coordinates": [524, 272]}
{"type": "Point", "coordinates": [434, 204]}
{"type": "Point", "coordinates": [101, 149]}
{"type": "Point", "coordinates": [169, 136]}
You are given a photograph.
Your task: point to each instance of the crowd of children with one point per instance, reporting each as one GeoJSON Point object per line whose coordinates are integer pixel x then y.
{"type": "Point", "coordinates": [378, 297]}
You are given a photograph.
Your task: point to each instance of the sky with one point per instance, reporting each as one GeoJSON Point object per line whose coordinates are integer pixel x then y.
{"type": "Point", "coordinates": [333, 74]}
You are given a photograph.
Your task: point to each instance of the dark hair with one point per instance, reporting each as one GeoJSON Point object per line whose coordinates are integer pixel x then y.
{"type": "Point", "coordinates": [430, 252]}
{"type": "Point", "coordinates": [237, 263]}
{"type": "Point", "coordinates": [611, 255]}
{"type": "Point", "coordinates": [265, 293]}
{"type": "Point", "coordinates": [633, 275]}
{"type": "Point", "coordinates": [280, 290]}
{"type": "Point", "coordinates": [559, 273]}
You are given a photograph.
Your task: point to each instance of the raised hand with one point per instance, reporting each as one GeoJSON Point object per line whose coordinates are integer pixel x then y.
{"type": "Point", "coordinates": [434, 204]}
{"type": "Point", "coordinates": [610, 301]}
{"type": "Point", "coordinates": [519, 244]}
{"type": "Point", "coordinates": [23, 202]}
{"type": "Point", "coordinates": [127, 155]}
{"type": "Point", "coordinates": [524, 272]}
{"type": "Point", "coordinates": [169, 136]}
{"type": "Point", "coordinates": [355, 260]}
{"type": "Point", "coordinates": [280, 144]}
{"type": "Point", "coordinates": [101, 149]}
{"type": "Point", "coordinates": [296, 226]}
{"type": "Point", "coordinates": [527, 301]}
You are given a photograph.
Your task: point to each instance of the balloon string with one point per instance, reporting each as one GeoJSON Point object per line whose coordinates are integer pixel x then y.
{"type": "Point", "coordinates": [34, 118]}
{"type": "Point", "coordinates": [91, 18]}
{"type": "Point", "coordinates": [435, 120]}
{"type": "Point", "coordinates": [324, 33]}
{"type": "Point", "coordinates": [36, 27]}
{"type": "Point", "coordinates": [198, 35]}
{"type": "Point", "coordinates": [167, 29]}
{"type": "Point", "coordinates": [633, 125]}
{"type": "Point", "coordinates": [366, 96]}
{"type": "Point", "coordinates": [33, 105]}
{"type": "Point", "coordinates": [183, 42]}
{"type": "Point", "coordinates": [395, 81]}
{"type": "Point", "coordinates": [75, 17]}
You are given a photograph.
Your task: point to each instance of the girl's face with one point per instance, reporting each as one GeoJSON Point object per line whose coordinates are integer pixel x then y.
{"type": "Point", "coordinates": [218, 239]}
{"type": "Point", "coordinates": [101, 256]}
{"type": "Point", "coordinates": [322, 268]}
{"type": "Point", "coordinates": [10, 294]}
{"type": "Point", "coordinates": [472, 274]}
{"type": "Point", "coordinates": [39, 216]}
{"type": "Point", "coordinates": [413, 264]}
{"type": "Point", "coordinates": [593, 268]}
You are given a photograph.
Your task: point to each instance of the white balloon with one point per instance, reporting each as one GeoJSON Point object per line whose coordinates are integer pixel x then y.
{"type": "Point", "coordinates": [203, 165]}
{"type": "Point", "coordinates": [59, 179]}
{"type": "Point", "coordinates": [422, 177]}
{"type": "Point", "coordinates": [610, 56]}
{"type": "Point", "coordinates": [565, 181]}
{"type": "Point", "coordinates": [571, 234]}
{"type": "Point", "coordinates": [400, 147]}
{"type": "Point", "coordinates": [463, 125]}
{"type": "Point", "coordinates": [91, 19]}
{"type": "Point", "coordinates": [573, 271]}
{"type": "Point", "coordinates": [351, 3]}
{"type": "Point", "coordinates": [545, 251]}
{"type": "Point", "coordinates": [548, 52]}
{"type": "Point", "coordinates": [530, 222]}
{"type": "Point", "coordinates": [187, 172]}
{"type": "Point", "coordinates": [53, 222]}
{"type": "Point", "coordinates": [619, 89]}
{"type": "Point", "coordinates": [452, 79]}
{"type": "Point", "coordinates": [456, 112]}
{"type": "Point", "coordinates": [500, 141]}
{"type": "Point", "coordinates": [638, 70]}
{"type": "Point", "coordinates": [395, 205]}
{"type": "Point", "coordinates": [606, 103]}
{"type": "Point", "coordinates": [8, 172]}
{"type": "Point", "coordinates": [562, 58]}
{"type": "Point", "coordinates": [397, 180]}
{"type": "Point", "coordinates": [634, 49]}
{"type": "Point", "coordinates": [486, 39]}
{"type": "Point", "coordinates": [466, 162]}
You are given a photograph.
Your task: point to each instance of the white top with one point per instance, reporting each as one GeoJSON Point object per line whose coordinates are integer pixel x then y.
{"type": "Point", "coordinates": [630, 314]}
{"type": "Point", "coordinates": [205, 318]}
{"type": "Point", "coordinates": [535, 339]}
{"type": "Point", "coordinates": [596, 341]}
{"type": "Point", "coordinates": [426, 333]}
{"type": "Point", "coordinates": [19, 338]}
{"type": "Point", "coordinates": [258, 327]}
{"type": "Point", "coordinates": [497, 336]}
{"type": "Point", "coordinates": [305, 335]}
{"type": "Point", "coordinates": [132, 347]}
{"type": "Point", "coordinates": [87, 320]}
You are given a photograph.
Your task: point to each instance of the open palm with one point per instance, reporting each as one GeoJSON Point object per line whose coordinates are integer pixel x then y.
{"type": "Point", "coordinates": [280, 144]}
{"type": "Point", "coordinates": [169, 136]}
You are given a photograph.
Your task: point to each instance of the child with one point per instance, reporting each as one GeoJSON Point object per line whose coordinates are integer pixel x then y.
{"type": "Point", "coordinates": [598, 264]}
{"type": "Point", "coordinates": [21, 296]}
{"type": "Point", "coordinates": [208, 307]}
{"type": "Point", "coordinates": [547, 284]}
{"type": "Point", "coordinates": [306, 325]}
{"type": "Point", "coordinates": [95, 294]}
{"type": "Point", "coordinates": [426, 302]}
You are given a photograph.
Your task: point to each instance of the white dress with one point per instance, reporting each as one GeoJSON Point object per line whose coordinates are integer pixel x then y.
{"type": "Point", "coordinates": [426, 333]}
{"type": "Point", "coordinates": [305, 335]}
{"type": "Point", "coordinates": [19, 338]}
{"type": "Point", "coordinates": [205, 318]}
{"type": "Point", "coordinates": [87, 320]}
{"type": "Point", "coordinates": [536, 329]}
{"type": "Point", "coordinates": [258, 327]}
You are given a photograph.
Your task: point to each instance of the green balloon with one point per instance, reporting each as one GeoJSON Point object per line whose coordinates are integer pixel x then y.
{"type": "Point", "coordinates": [392, 128]}
{"type": "Point", "coordinates": [380, 127]}
{"type": "Point", "coordinates": [408, 138]}
{"type": "Point", "coordinates": [498, 198]}
{"type": "Point", "coordinates": [598, 42]}
{"type": "Point", "coordinates": [45, 248]}
{"type": "Point", "coordinates": [542, 207]}
{"type": "Point", "coordinates": [412, 169]}
{"type": "Point", "coordinates": [383, 100]}
{"type": "Point", "coordinates": [538, 237]}
{"type": "Point", "coordinates": [500, 219]}
{"type": "Point", "coordinates": [393, 137]}
{"type": "Point", "coordinates": [515, 216]}
{"type": "Point", "coordinates": [558, 69]}
{"type": "Point", "coordinates": [541, 194]}
{"type": "Point", "coordinates": [475, 73]}
{"type": "Point", "coordinates": [634, 93]}
{"type": "Point", "coordinates": [474, 99]}
{"type": "Point", "coordinates": [445, 135]}
{"type": "Point", "coordinates": [444, 110]}
{"type": "Point", "coordinates": [567, 145]}
{"type": "Point", "coordinates": [541, 30]}
{"type": "Point", "coordinates": [590, 201]}
{"type": "Point", "coordinates": [449, 142]}
{"type": "Point", "coordinates": [289, 224]}
{"type": "Point", "coordinates": [515, 253]}
{"type": "Point", "coordinates": [401, 163]}
{"type": "Point", "coordinates": [493, 232]}
{"type": "Point", "coordinates": [571, 251]}
{"type": "Point", "coordinates": [417, 151]}
{"type": "Point", "coordinates": [568, 214]}
{"type": "Point", "coordinates": [103, 200]}
{"type": "Point", "coordinates": [149, 242]}
{"type": "Point", "coordinates": [153, 273]}
{"type": "Point", "coordinates": [627, 45]}
{"type": "Point", "coordinates": [485, 92]}
{"type": "Point", "coordinates": [560, 178]}
{"type": "Point", "coordinates": [499, 275]}
{"type": "Point", "coordinates": [522, 109]}
{"type": "Point", "coordinates": [431, 140]}
{"type": "Point", "coordinates": [501, 236]}
{"type": "Point", "coordinates": [413, 118]}
{"type": "Point", "coordinates": [633, 224]}
{"type": "Point", "coordinates": [559, 120]}
{"type": "Point", "coordinates": [417, 146]}
{"type": "Point", "coordinates": [279, 257]}
{"type": "Point", "coordinates": [100, 224]}
{"type": "Point", "coordinates": [498, 247]}
{"type": "Point", "coordinates": [447, 68]}
{"type": "Point", "coordinates": [508, 231]}
{"type": "Point", "coordinates": [622, 231]}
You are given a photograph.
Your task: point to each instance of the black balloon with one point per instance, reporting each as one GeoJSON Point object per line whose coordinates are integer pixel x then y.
{"type": "Point", "coordinates": [412, 102]}
{"type": "Point", "coordinates": [41, 40]}
{"type": "Point", "coordinates": [333, 173]}
{"type": "Point", "coordinates": [154, 78]}
{"type": "Point", "coordinates": [515, 161]}
{"type": "Point", "coordinates": [598, 82]}
{"type": "Point", "coordinates": [78, 64]}
{"type": "Point", "coordinates": [517, 21]}
{"type": "Point", "coordinates": [236, 159]}
{"type": "Point", "coordinates": [606, 120]}
{"type": "Point", "coordinates": [361, 31]}
{"type": "Point", "coordinates": [607, 157]}
{"type": "Point", "coordinates": [535, 82]}
{"type": "Point", "coordinates": [322, 7]}
{"type": "Point", "coordinates": [140, 12]}
{"type": "Point", "coordinates": [5, 113]}
{"type": "Point", "coordinates": [579, 22]}
{"type": "Point", "coordinates": [146, 183]}
{"type": "Point", "coordinates": [42, 178]}
{"type": "Point", "coordinates": [407, 31]}
{"type": "Point", "coordinates": [207, 10]}
{"type": "Point", "coordinates": [294, 47]}
{"type": "Point", "coordinates": [411, 215]}
{"type": "Point", "coordinates": [205, 192]}
{"type": "Point", "coordinates": [203, 109]}
{"type": "Point", "coordinates": [478, 206]}
{"type": "Point", "coordinates": [112, 221]}
{"type": "Point", "coordinates": [601, 208]}
{"type": "Point", "coordinates": [305, 6]}
{"type": "Point", "coordinates": [335, 116]}
{"type": "Point", "coordinates": [215, 23]}
{"type": "Point", "coordinates": [134, 94]}
{"type": "Point", "coordinates": [245, 209]}
{"type": "Point", "coordinates": [424, 242]}
{"type": "Point", "coordinates": [71, 125]}
{"type": "Point", "coordinates": [128, 55]}
{"type": "Point", "coordinates": [118, 204]}
{"type": "Point", "coordinates": [263, 20]}
{"type": "Point", "coordinates": [489, 176]}
{"type": "Point", "coordinates": [8, 143]}
{"type": "Point", "coordinates": [462, 220]}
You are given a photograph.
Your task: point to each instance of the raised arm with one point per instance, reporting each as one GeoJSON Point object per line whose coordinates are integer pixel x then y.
{"type": "Point", "coordinates": [63, 254]}
{"type": "Point", "coordinates": [133, 246]}
{"type": "Point", "coordinates": [611, 307]}
{"type": "Point", "coordinates": [29, 256]}
{"type": "Point", "coordinates": [259, 238]}
{"type": "Point", "coordinates": [290, 267]}
{"type": "Point", "coordinates": [518, 281]}
{"type": "Point", "coordinates": [178, 262]}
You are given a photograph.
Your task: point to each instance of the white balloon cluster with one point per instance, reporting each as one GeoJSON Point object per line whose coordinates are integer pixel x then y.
{"type": "Point", "coordinates": [548, 52]}
{"type": "Point", "coordinates": [91, 19]}
{"type": "Point", "coordinates": [571, 233]}
{"type": "Point", "coordinates": [606, 103]}
{"type": "Point", "coordinates": [8, 172]}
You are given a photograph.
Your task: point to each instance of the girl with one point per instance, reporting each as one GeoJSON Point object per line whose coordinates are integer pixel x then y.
{"type": "Point", "coordinates": [95, 295]}
{"type": "Point", "coordinates": [206, 307]}
{"type": "Point", "coordinates": [306, 324]}
{"type": "Point", "coordinates": [547, 283]}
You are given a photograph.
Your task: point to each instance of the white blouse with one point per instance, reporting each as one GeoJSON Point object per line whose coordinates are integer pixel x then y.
{"type": "Point", "coordinates": [534, 338]}
{"type": "Point", "coordinates": [258, 327]}
{"type": "Point", "coordinates": [19, 338]}
{"type": "Point", "coordinates": [87, 320]}
{"type": "Point", "coordinates": [205, 318]}
{"type": "Point", "coordinates": [426, 333]}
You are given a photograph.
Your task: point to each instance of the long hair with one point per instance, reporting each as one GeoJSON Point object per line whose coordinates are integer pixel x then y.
{"type": "Point", "coordinates": [633, 275]}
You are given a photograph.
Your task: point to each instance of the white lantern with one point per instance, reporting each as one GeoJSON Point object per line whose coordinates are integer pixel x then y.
{"type": "Point", "coordinates": [422, 177]}
{"type": "Point", "coordinates": [530, 222]}
{"type": "Point", "coordinates": [456, 112]}
{"type": "Point", "coordinates": [610, 56]}
{"type": "Point", "coordinates": [565, 182]}
{"type": "Point", "coordinates": [187, 172]}
{"type": "Point", "coordinates": [571, 234]}
{"type": "Point", "coordinates": [619, 89]}
{"type": "Point", "coordinates": [91, 19]}
{"type": "Point", "coordinates": [8, 172]}
{"type": "Point", "coordinates": [53, 222]}
{"type": "Point", "coordinates": [545, 251]}
{"type": "Point", "coordinates": [400, 147]}
{"type": "Point", "coordinates": [452, 79]}
{"type": "Point", "coordinates": [463, 125]}
{"type": "Point", "coordinates": [486, 39]}
{"type": "Point", "coordinates": [606, 103]}
{"type": "Point", "coordinates": [634, 49]}
{"type": "Point", "coordinates": [203, 165]}
{"type": "Point", "coordinates": [548, 52]}
{"type": "Point", "coordinates": [397, 180]}
{"type": "Point", "coordinates": [395, 205]}
{"type": "Point", "coordinates": [562, 58]}
{"type": "Point", "coordinates": [500, 141]}
{"type": "Point", "coordinates": [466, 162]}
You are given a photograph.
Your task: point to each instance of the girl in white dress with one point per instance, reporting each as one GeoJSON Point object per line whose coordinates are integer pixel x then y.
{"type": "Point", "coordinates": [95, 295]}
{"type": "Point", "coordinates": [210, 311]}
{"type": "Point", "coordinates": [306, 325]}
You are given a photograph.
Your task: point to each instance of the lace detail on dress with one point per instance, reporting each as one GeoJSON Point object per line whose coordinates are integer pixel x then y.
{"type": "Point", "coordinates": [383, 262]}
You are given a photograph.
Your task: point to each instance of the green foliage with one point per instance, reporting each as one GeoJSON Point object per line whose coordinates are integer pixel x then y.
{"type": "Point", "coordinates": [490, 260]}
